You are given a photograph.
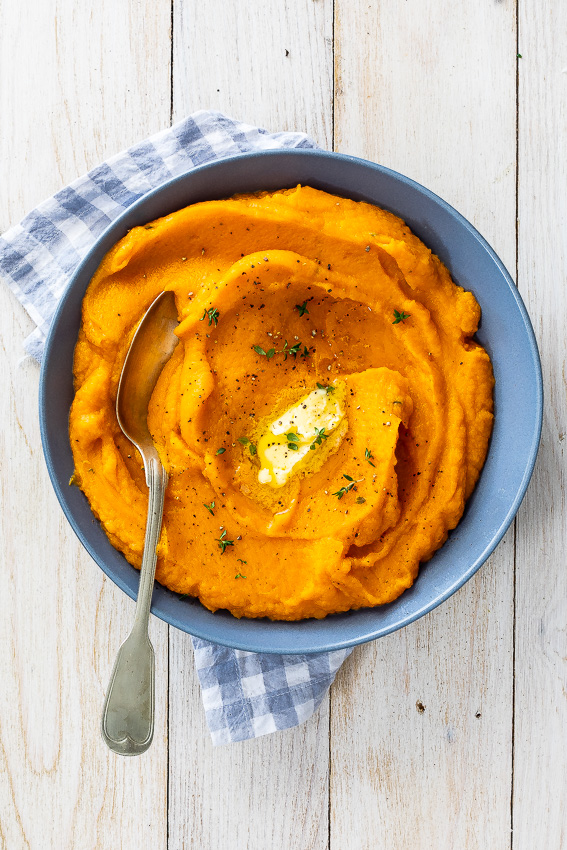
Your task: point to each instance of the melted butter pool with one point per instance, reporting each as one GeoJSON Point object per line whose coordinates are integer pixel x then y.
{"type": "Point", "coordinates": [296, 434]}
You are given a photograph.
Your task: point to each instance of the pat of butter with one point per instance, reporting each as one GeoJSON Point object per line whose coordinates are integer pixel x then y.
{"type": "Point", "coordinates": [316, 411]}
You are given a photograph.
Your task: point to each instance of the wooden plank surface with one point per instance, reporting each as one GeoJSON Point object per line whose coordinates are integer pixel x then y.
{"type": "Point", "coordinates": [267, 63]}
{"type": "Point", "coordinates": [66, 76]}
{"type": "Point", "coordinates": [273, 791]}
{"type": "Point", "coordinates": [540, 750]}
{"type": "Point", "coordinates": [421, 720]}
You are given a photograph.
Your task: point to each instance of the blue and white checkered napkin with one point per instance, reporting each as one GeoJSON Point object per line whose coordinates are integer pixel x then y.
{"type": "Point", "coordinates": [245, 694]}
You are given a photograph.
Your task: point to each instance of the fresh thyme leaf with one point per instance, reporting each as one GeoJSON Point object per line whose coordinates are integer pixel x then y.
{"type": "Point", "coordinates": [400, 317]}
{"type": "Point", "coordinates": [293, 446]}
{"type": "Point", "coordinates": [212, 314]}
{"type": "Point", "coordinates": [360, 500]}
{"type": "Point", "coordinates": [369, 457]}
{"type": "Point", "coordinates": [220, 451]}
{"type": "Point", "coordinates": [209, 507]}
{"type": "Point", "coordinates": [239, 575]}
{"type": "Point", "coordinates": [352, 483]}
{"type": "Point", "coordinates": [223, 542]}
{"type": "Point", "coordinates": [302, 308]}
{"type": "Point", "coordinates": [246, 442]}
{"type": "Point", "coordinates": [240, 561]}
{"type": "Point", "coordinates": [293, 350]}
{"type": "Point", "coordinates": [328, 389]}
{"type": "Point", "coordinates": [259, 350]}
{"type": "Point", "coordinates": [319, 437]}
{"type": "Point", "coordinates": [292, 438]}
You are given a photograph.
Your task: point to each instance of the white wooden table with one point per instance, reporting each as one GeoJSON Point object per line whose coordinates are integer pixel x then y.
{"type": "Point", "coordinates": [451, 734]}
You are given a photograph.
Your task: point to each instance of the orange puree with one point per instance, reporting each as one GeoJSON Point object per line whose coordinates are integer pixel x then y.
{"type": "Point", "coordinates": [280, 295]}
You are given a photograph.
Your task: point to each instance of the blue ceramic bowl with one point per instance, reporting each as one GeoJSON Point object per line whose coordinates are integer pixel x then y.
{"type": "Point", "coordinates": [505, 332]}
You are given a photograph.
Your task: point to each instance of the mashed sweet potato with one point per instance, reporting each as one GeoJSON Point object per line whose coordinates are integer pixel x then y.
{"type": "Point", "coordinates": [291, 303]}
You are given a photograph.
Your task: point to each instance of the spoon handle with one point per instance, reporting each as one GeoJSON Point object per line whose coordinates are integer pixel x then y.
{"type": "Point", "coordinates": [128, 713]}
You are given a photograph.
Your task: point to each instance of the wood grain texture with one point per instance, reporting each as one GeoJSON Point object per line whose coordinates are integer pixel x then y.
{"type": "Point", "coordinates": [540, 753]}
{"type": "Point", "coordinates": [265, 62]}
{"type": "Point", "coordinates": [264, 793]}
{"type": "Point", "coordinates": [67, 75]}
{"type": "Point", "coordinates": [428, 88]}
{"type": "Point", "coordinates": [421, 720]}
{"type": "Point", "coordinates": [273, 791]}
{"type": "Point", "coordinates": [78, 85]}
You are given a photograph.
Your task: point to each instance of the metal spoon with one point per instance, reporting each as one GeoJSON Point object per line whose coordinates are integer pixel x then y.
{"type": "Point", "coordinates": [128, 714]}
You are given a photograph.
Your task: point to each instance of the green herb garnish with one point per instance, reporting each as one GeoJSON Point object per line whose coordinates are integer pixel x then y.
{"type": "Point", "coordinates": [220, 451]}
{"type": "Point", "coordinates": [319, 437]}
{"type": "Point", "coordinates": [240, 561]}
{"type": "Point", "coordinates": [223, 542]}
{"type": "Point", "coordinates": [246, 442]}
{"type": "Point", "coordinates": [400, 317]}
{"type": "Point", "coordinates": [293, 350]}
{"type": "Point", "coordinates": [369, 457]}
{"type": "Point", "coordinates": [259, 350]}
{"type": "Point", "coordinates": [328, 389]}
{"type": "Point", "coordinates": [302, 308]}
{"type": "Point", "coordinates": [352, 483]}
{"type": "Point", "coordinates": [239, 575]}
{"type": "Point", "coordinates": [212, 314]}
{"type": "Point", "coordinates": [292, 441]}
{"type": "Point", "coordinates": [209, 507]}
{"type": "Point", "coordinates": [360, 500]}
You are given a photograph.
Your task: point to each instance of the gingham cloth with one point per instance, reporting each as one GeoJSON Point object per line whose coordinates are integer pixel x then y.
{"type": "Point", "coordinates": [245, 694]}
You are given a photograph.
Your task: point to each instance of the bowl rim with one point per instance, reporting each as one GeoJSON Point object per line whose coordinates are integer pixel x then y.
{"type": "Point", "coordinates": [237, 642]}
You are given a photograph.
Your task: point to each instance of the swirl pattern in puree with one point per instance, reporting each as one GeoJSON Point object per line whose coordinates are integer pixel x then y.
{"type": "Point", "coordinates": [283, 298]}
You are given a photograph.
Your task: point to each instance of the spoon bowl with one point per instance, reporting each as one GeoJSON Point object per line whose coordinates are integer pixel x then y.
{"type": "Point", "coordinates": [150, 349]}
